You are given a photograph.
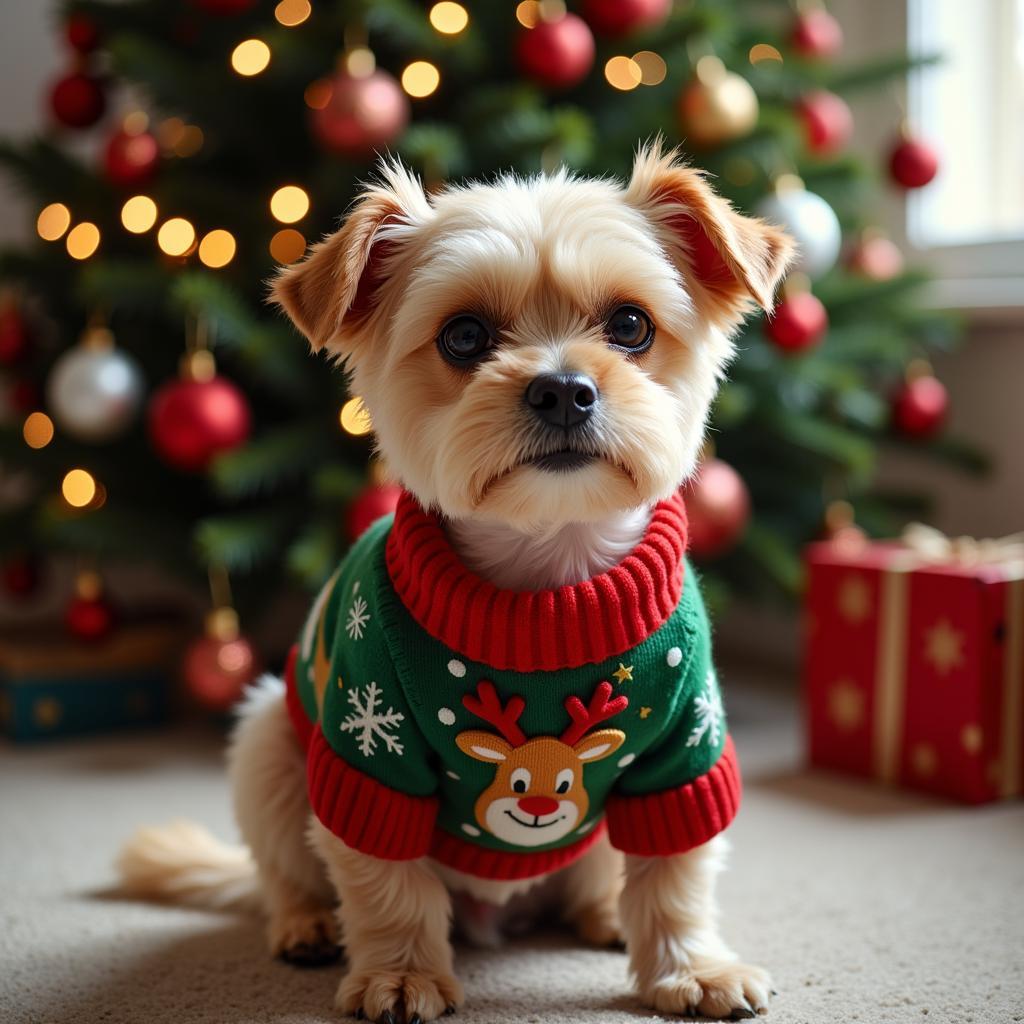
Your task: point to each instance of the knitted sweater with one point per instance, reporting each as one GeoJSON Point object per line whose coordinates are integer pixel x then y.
{"type": "Point", "coordinates": [500, 731]}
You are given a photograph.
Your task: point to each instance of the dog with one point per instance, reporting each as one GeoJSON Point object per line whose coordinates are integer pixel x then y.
{"type": "Point", "coordinates": [506, 692]}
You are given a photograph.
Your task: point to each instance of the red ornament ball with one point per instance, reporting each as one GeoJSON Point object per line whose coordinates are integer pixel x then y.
{"type": "Point", "coordinates": [357, 115]}
{"type": "Point", "coordinates": [920, 406]}
{"type": "Point", "coordinates": [622, 17]}
{"type": "Point", "coordinates": [89, 618]}
{"type": "Point", "coordinates": [816, 34]}
{"type": "Point", "coordinates": [913, 163]}
{"type": "Point", "coordinates": [218, 666]}
{"type": "Point", "coordinates": [78, 100]}
{"type": "Point", "coordinates": [192, 421]}
{"type": "Point", "coordinates": [877, 258]}
{"type": "Point", "coordinates": [81, 33]}
{"type": "Point", "coordinates": [827, 121]}
{"type": "Point", "coordinates": [15, 337]}
{"type": "Point", "coordinates": [557, 54]}
{"type": "Point", "coordinates": [799, 323]}
{"type": "Point", "coordinates": [376, 501]}
{"type": "Point", "coordinates": [130, 161]}
{"type": "Point", "coordinates": [21, 575]}
{"type": "Point", "coordinates": [717, 508]}
{"type": "Point", "coordinates": [225, 8]}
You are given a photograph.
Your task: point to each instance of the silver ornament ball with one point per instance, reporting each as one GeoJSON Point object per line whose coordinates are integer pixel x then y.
{"type": "Point", "coordinates": [813, 225]}
{"type": "Point", "coordinates": [94, 392]}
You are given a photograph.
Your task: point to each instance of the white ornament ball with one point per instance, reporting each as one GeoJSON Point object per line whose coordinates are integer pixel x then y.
{"type": "Point", "coordinates": [94, 392]}
{"type": "Point", "coordinates": [813, 225]}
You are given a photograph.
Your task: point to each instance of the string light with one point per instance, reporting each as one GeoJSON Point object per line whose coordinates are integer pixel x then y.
{"type": "Point", "coordinates": [623, 73]}
{"type": "Point", "coordinates": [420, 79]}
{"type": "Point", "coordinates": [761, 52]}
{"type": "Point", "coordinates": [217, 249]}
{"type": "Point", "coordinates": [287, 245]}
{"type": "Point", "coordinates": [53, 221]}
{"type": "Point", "coordinates": [653, 68]}
{"type": "Point", "coordinates": [83, 240]}
{"type": "Point", "coordinates": [179, 138]}
{"type": "Point", "coordinates": [528, 13]}
{"type": "Point", "coordinates": [38, 430]}
{"type": "Point", "coordinates": [250, 57]}
{"type": "Point", "coordinates": [135, 123]}
{"type": "Point", "coordinates": [176, 236]}
{"type": "Point", "coordinates": [449, 18]}
{"type": "Point", "coordinates": [354, 418]}
{"type": "Point", "coordinates": [289, 204]}
{"type": "Point", "coordinates": [78, 488]}
{"type": "Point", "coordinates": [292, 12]}
{"type": "Point", "coordinates": [138, 214]}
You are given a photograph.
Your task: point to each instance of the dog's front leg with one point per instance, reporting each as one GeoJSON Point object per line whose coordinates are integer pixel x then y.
{"type": "Point", "coordinates": [395, 918]}
{"type": "Point", "coordinates": [680, 962]}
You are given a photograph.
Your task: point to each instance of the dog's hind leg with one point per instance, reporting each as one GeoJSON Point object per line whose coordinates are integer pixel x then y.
{"type": "Point", "coordinates": [267, 769]}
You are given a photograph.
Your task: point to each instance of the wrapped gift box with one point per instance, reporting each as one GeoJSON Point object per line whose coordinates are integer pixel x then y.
{"type": "Point", "coordinates": [914, 668]}
{"type": "Point", "coordinates": [51, 685]}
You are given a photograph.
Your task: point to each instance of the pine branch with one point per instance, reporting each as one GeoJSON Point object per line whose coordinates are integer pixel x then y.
{"type": "Point", "coordinates": [241, 541]}
{"type": "Point", "coordinates": [265, 464]}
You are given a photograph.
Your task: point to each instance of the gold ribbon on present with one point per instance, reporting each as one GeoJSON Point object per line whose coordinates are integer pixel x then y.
{"type": "Point", "coordinates": [924, 545]}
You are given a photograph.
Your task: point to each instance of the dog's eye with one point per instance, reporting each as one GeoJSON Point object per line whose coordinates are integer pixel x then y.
{"type": "Point", "coordinates": [464, 339]}
{"type": "Point", "coordinates": [630, 328]}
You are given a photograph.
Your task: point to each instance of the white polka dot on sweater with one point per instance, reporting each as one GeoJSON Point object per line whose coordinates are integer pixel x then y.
{"type": "Point", "coordinates": [452, 775]}
{"type": "Point", "coordinates": [674, 656]}
{"type": "Point", "coordinates": [446, 716]}
{"type": "Point", "coordinates": [457, 668]}
{"type": "Point", "coordinates": [628, 759]}
{"type": "Point", "coordinates": [471, 830]}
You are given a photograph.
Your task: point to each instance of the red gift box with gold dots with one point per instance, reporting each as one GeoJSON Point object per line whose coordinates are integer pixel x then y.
{"type": "Point", "coordinates": [914, 663]}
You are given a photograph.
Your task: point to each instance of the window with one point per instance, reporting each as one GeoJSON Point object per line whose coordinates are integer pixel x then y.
{"type": "Point", "coordinates": [969, 222]}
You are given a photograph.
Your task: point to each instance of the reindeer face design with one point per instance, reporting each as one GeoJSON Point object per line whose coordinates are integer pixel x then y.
{"type": "Point", "coordinates": [537, 795]}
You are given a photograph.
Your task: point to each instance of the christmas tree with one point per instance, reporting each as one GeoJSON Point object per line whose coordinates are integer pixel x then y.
{"type": "Point", "coordinates": [163, 412]}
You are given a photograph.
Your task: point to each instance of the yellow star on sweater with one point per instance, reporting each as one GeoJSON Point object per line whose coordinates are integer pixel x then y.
{"type": "Point", "coordinates": [622, 673]}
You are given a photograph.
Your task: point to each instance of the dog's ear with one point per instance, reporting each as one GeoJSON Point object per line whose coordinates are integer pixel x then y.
{"type": "Point", "coordinates": [330, 294]}
{"type": "Point", "coordinates": [733, 259]}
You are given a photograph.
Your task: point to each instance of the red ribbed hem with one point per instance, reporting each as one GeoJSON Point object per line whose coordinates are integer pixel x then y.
{"type": "Point", "coordinates": [364, 813]}
{"type": "Point", "coordinates": [677, 820]}
{"type": "Point", "coordinates": [506, 866]}
{"type": "Point", "coordinates": [546, 630]}
{"type": "Point", "coordinates": [293, 702]}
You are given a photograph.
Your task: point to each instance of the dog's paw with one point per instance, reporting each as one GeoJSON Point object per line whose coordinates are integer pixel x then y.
{"type": "Point", "coordinates": [394, 997]}
{"type": "Point", "coordinates": [722, 989]}
{"type": "Point", "coordinates": [599, 925]}
{"type": "Point", "coordinates": [306, 937]}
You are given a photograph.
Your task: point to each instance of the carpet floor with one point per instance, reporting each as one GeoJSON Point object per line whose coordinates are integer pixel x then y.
{"type": "Point", "coordinates": [866, 905]}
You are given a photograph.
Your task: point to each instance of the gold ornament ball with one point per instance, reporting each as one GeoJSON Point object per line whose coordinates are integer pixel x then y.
{"type": "Point", "coordinates": [717, 105]}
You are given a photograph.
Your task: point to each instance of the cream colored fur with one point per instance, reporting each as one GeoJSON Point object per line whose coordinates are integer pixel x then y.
{"type": "Point", "coordinates": [544, 260]}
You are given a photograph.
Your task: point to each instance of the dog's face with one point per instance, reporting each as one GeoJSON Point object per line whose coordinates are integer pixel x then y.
{"type": "Point", "coordinates": [541, 351]}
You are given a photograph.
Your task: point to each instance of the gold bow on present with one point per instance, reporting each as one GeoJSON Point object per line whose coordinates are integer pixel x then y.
{"type": "Point", "coordinates": [934, 546]}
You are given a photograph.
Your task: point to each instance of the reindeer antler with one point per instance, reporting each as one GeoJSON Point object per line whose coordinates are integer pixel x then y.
{"type": "Point", "coordinates": [598, 710]}
{"type": "Point", "coordinates": [487, 705]}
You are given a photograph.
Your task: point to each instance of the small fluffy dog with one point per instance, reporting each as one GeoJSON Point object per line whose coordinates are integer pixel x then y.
{"type": "Point", "coordinates": [506, 691]}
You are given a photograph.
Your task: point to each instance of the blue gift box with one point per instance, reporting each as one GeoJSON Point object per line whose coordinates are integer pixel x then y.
{"type": "Point", "coordinates": [52, 686]}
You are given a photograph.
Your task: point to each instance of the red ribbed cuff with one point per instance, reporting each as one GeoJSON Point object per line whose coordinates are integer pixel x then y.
{"type": "Point", "coordinates": [364, 813]}
{"type": "Point", "coordinates": [504, 866]}
{"type": "Point", "coordinates": [677, 820]}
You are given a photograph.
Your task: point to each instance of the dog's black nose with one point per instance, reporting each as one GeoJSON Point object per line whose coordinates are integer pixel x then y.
{"type": "Point", "coordinates": [562, 399]}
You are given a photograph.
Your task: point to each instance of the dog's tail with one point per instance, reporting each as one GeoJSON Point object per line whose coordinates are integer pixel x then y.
{"type": "Point", "coordinates": [182, 863]}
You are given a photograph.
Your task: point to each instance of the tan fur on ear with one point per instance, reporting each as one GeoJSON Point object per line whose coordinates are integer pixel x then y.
{"type": "Point", "coordinates": [732, 257]}
{"type": "Point", "coordinates": [331, 292]}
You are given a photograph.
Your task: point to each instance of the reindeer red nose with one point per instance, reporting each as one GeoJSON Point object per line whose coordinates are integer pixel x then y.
{"type": "Point", "coordinates": [538, 806]}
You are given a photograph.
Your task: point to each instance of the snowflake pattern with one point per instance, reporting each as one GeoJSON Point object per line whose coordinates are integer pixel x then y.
{"type": "Point", "coordinates": [358, 616]}
{"type": "Point", "coordinates": [708, 709]}
{"type": "Point", "coordinates": [370, 724]}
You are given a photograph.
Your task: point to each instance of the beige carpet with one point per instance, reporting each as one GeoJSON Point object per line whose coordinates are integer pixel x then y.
{"type": "Point", "coordinates": [866, 906]}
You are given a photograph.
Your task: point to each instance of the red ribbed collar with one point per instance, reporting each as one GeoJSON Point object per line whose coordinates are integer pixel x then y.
{"type": "Point", "coordinates": [545, 630]}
